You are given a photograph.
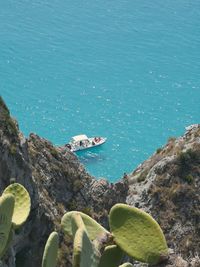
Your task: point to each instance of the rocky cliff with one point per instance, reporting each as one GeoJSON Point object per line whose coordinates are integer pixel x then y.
{"type": "Point", "coordinates": [166, 185]}
{"type": "Point", "coordinates": [56, 182]}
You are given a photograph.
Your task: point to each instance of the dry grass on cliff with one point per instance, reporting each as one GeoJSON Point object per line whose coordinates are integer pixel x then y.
{"type": "Point", "coordinates": [176, 202]}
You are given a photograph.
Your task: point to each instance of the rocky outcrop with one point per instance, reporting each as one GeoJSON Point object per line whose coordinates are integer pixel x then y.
{"type": "Point", "coordinates": [56, 182]}
{"type": "Point", "coordinates": [167, 185]}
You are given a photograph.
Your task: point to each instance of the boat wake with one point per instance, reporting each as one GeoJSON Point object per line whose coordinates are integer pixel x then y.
{"type": "Point", "coordinates": [90, 157]}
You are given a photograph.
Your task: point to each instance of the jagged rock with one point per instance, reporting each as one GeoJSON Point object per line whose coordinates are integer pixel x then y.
{"type": "Point", "coordinates": [56, 182]}
{"type": "Point", "coordinates": [167, 186]}
{"type": "Point", "coordinates": [195, 262]}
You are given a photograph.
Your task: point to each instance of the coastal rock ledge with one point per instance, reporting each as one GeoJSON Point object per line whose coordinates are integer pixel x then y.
{"type": "Point", "coordinates": [166, 185]}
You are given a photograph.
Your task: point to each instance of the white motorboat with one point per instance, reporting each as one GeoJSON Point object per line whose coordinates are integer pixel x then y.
{"type": "Point", "coordinates": [81, 142]}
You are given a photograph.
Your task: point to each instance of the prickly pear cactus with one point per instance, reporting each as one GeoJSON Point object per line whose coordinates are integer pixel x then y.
{"type": "Point", "coordinates": [94, 229]}
{"type": "Point", "coordinates": [22, 203]}
{"type": "Point", "coordinates": [6, 212]}
{"type": "Point", "coordinates": [76, 222]}
{"type": "Point", "coordinates": [111, 257]}
{"type": "Point", "coordinates": [137, 233]}
{"type": "Point", "coordinates": [84, 253]}
{"type": "Point", "coordinates": [51, 250]}
{"type": "Point", "coordinates": [9, 241]}
{"type": "Point", "coordinates": [127, 264]}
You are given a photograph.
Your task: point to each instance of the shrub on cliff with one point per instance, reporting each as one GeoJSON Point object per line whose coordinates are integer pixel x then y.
{"type": "Point", "coordinates": [6, 122]}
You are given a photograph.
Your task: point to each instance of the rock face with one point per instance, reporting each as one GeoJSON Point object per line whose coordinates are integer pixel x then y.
{"type": "Point", "coordinates": [167, 185]}
{"type": "Point", "coordinates": [56, 182]}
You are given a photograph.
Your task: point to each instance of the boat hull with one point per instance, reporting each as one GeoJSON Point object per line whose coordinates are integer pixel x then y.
{"type": "Point", "coordinates": [92, 143]}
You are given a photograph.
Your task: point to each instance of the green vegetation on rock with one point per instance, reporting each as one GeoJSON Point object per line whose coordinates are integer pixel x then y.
{"type": "Point", "coordinates": [6, 122]}
{"type": "Point", "coordinates": [187, 159]}
{"type": "Point", "coordinates": [137, 233]}
{"type": "Point", "coordinates": [3, 106]}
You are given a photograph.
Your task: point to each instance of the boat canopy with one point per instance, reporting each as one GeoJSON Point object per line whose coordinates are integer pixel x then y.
{"type": "Point", "coordinates": [79, 138]}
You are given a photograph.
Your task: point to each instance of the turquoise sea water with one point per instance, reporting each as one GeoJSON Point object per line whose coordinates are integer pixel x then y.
{"type": "Point", "coordinates": [128, 70]}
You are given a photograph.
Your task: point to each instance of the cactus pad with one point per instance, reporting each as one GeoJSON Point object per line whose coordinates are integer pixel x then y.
{"type": "Point", "coordinates": [6, 212]}
{"type": "Point", "coordinates": [9, 241]}
{"type": "Point", "coordinates": [51, 250]}
{"type": "Point", "coordinates": [137, 233]}
{"type": "Point", "coordinates": [76, 222]}
{"type": "Point", "coordinates": [111, 257]}
{"type": "Point", "coordinates": [84, 254]}
{"type": "Point", "coordinates": [22, 203]}
{"type": "Point", "coordinates": [94, 229]}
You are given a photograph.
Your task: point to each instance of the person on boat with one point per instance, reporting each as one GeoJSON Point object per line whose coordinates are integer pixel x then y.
{"type": "Point", "coordinates": [97, 139]}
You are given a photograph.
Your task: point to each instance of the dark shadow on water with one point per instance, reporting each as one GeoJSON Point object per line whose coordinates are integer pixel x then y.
{"type": "Point", "coordinates": [91, 156]}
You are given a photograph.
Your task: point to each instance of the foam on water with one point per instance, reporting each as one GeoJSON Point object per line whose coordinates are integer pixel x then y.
{"type": "Point", "coordinates": [127, 70]}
